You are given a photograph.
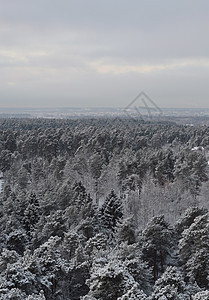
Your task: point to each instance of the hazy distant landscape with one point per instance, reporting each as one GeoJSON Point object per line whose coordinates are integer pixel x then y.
{"type": "Point", "coordinates": [178, 115]}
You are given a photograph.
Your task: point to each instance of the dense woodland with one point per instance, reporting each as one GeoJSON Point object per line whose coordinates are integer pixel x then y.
{"type": "Point", "coordinates": [108, 209]}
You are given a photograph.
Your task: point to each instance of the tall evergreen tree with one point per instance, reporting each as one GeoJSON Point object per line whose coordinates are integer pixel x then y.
{"type": "Point", "coordinates": [194, 251]}
{"type": "Point", "coordinates": [111, 212]}
{"type": "Point", "coordinates": [156, 244]}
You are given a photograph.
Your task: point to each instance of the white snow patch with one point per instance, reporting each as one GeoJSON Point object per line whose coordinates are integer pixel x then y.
{"type": "Point", "coordinates": [197, 148]}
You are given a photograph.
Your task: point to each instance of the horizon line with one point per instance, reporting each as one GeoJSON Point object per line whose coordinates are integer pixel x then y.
{"type": "Point", "coordinates": [94, 107]}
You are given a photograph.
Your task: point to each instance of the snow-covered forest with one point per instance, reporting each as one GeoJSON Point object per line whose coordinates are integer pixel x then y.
{"type": "Point", "coordinates": [104, 209]}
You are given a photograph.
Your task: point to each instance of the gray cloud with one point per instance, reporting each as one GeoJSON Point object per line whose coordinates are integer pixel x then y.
{"type": "Point", "coordinates": [100, 53]}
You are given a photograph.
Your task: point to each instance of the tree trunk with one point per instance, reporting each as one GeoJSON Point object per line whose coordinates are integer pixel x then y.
{"type": "Point", "coordinates": [155, 265]}
{"type": "Point", "coordinates": [161, 261]}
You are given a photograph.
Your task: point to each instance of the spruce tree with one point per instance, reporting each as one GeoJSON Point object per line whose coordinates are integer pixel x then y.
{"type": "Point", "coordinates": [111, 212]}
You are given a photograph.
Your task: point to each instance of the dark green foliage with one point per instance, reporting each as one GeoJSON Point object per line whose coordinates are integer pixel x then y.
{"type": "Point", "coordinates": [111, 211]}
{"type": "Point", "coordinates": [157, 242]}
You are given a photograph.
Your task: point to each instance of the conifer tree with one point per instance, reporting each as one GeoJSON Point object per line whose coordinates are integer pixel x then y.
{"type": "Point", "coordinates": [194, 251]}
{"type": "Point", "coordinates": [111, 212]}
{"type": "Point", "coordinates": [156, 244]}
{"type": "Point", "coordinates": [170, 285]}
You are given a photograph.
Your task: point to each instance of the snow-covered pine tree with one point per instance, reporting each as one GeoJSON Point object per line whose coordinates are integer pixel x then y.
{"type": "Point", "coordinates": [170, 285]}
{"type": "Point", "coordinates": [194, 251]}
{"type": "Point", "coordinates": [111, 212]}
{"type": "Point", "coordinates": [156, 244]}
{"type": "Point", "coordinates": [109, 279]}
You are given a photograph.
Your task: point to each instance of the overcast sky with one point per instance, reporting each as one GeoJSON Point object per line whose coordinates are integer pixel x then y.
{"type": "Point", "coordinates": [103, 52]}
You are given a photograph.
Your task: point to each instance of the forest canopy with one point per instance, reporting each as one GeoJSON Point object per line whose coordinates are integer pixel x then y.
{"type": "Point", "coordinates": [103, 209]}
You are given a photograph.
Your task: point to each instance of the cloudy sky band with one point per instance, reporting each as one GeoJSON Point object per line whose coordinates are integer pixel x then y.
{"type": "Point", "coordinates": [73, 50]}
